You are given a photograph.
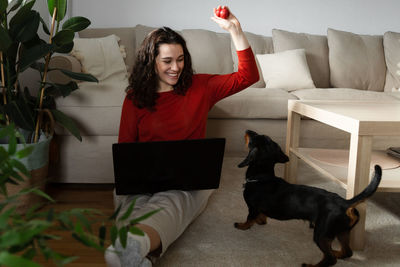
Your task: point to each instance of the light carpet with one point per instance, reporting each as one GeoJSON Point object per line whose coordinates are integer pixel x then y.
{"type": "Point", "coordinates": [211, 240]}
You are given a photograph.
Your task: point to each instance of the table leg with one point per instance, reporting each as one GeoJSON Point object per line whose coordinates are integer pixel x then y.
{"type": "Point", "coordinates": [357, 180]}
{"type": "Point", "coordinates": [292, 141]}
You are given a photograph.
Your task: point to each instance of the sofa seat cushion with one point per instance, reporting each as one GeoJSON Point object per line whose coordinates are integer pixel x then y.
{"type": "Point", "coordinates": [395, 94]}
{"type": "Point", "coordinates": [94, 121]}
{"type": "Point", "coordinates": [110, 92]}
{"type": "Point", "coordinates": [342, 94]}
{"type": "Point", "coordinates": [253, 103]}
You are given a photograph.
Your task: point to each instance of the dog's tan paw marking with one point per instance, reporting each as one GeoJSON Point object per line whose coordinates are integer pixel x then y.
{"type": "Point", "coordinates": [342, 254]}
{"type": "Point", "coordinates": [261, 219]}
{"type": "Point", "coordinates": [242, 226]}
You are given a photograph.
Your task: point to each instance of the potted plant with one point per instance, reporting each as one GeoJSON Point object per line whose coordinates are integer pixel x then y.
{"type": "Point", "coordinates": [33, 110]}
{"type": "Point", "coordinates": [23, 237]}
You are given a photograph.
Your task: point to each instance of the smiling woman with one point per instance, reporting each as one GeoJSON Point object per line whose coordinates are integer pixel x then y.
{"type": "Point", "coordinates": [166, 101]}
{"type": "Point", "coordinates": [169, 65]}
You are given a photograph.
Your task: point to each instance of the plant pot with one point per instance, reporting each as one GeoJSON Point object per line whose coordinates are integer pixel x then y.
{"type": "Point", "coordinates": [37, 163]}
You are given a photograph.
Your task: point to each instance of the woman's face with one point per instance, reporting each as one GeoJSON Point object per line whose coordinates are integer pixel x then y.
{"type": "Point", "coordinates": [169, 65]}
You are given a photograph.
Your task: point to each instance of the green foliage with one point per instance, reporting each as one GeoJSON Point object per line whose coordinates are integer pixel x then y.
{"type": "Point", "coordinates": [25, 236]}
{"type": "Point", "coordinates": [22, 48]}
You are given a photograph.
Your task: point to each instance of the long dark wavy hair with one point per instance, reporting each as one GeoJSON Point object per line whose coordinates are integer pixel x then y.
{"type": "Point", "coordinates": [143, 82]}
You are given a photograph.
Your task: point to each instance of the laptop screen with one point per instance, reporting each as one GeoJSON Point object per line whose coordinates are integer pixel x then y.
{"type": "Point", "coordinates": [149, 167]}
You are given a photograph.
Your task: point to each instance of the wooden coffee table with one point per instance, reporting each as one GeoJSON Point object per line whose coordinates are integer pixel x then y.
{"type": "Point", "coordinates": [363, 120]}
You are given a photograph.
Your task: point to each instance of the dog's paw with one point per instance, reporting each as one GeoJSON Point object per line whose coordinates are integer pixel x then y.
{"type": "Point", "coordinates": [261, 219]}
{"type": "Point", "coordinates": [342, 254]}
{"type": "Point", "coordinates": [242, 226]}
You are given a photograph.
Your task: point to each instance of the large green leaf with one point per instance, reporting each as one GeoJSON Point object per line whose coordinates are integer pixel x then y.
{"type": "Point", "coordinates": [61, 6]}
{"type": "Point", "coordinates": [12, 145]}
{"type": "Point", "coordinates": [5, 39]}
{"type": "Point", "coordinates": [5, 216]}
{"type": "Point", "coordinates": [123, 236]}
{"type": "Point", "coordinates": [63, 37]}
{"type": "Point", "coordinates": [114, 234]}
{"type": "Point", "coordinates": [67, 123]}
{"type": "Point", "coordinates": [145, 216]}
{"type": "Point", "coordinates": [66, 48]}
{"type": "Point", "coordinates": [22, 13]}
{"type": "Point", "coordinates": [44, 25]}
{"type": "Point", "coordinates": [19, 166]}
{"type": "Point", "coordinates": [11, 260]}
{"type": "Point", "coordinates": [40, 193]}
{"type": "Point", "coordinates": [3, 5]}
{"type": "Point", "coordinates": [128, 212]}
{"type": "Point", "coordinates": [61, 89]}
{"type": "Point", "coordinates": [135, 231]}
{"type": "Point", "coordinates": [29, 56]}
{"type": "Point", "coordinates": [20, 113]}
{"type": "Point", "coordinates": [76, 24]}
{"type": "Point", "coordinates": [102, 235]}
{"type": "Point", "coordinates": [17, 5]}
{"type": "Point", "coordinates": [34, 41]}
{"type": "Point", "coordinates": [23, 153]}
{"type": "Point", "coordinates": [80, 76]}
{"type": "Point", "coordinates": [27, 30]}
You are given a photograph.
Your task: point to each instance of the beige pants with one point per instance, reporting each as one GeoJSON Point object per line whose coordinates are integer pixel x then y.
{"type": "Point", "coordinates": [179, 209]}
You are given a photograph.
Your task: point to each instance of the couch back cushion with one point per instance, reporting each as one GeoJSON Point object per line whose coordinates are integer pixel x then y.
{"type": "Point", "coordinates": [126, 35]}
{"type": "Point", "coordinates": [210, 51]}
{"type": "Point", "coordinates": [316, 48]}
{"type": "Point", "coordinates": [260, 45]}
{"type": "Point", "coordinates": [356, 61]}
{"type": "Point", "coordinates": [391, 43]}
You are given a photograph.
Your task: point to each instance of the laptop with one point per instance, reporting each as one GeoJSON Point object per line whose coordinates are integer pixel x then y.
{"type": "Point", "coordinates": [150, 167]}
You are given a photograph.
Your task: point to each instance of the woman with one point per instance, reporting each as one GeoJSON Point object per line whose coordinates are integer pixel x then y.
{"type": "Point", "coordinates": [166, 101]}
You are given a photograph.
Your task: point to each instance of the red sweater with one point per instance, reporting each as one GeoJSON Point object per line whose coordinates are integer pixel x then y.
{"type": "Point", "coordinates": [185, 117]}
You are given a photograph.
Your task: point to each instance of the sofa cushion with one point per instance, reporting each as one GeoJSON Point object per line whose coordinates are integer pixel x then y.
{"type": "Point", "coordinates": [260, 45]}
{"type": "Point", "coordinates": [391, 44]}
{"type": "Point", "coordinates": [287, 70]}
{"type": "Point", "coordinates": [210, 51]}
{"type": "Point", "coordinates": [253, 103]}
{"type": "Point", "coordinates": [317, 52]}
{"type": "Point", "coordinates": [356, 61]}
{"type": "Point", "coordinates": [100, 57]}
{"type": "Point", "coordinates": [141, 31]}
{"type": "Point", "coordinates": [127, 36]}
{"type": "Point", "coordinates": [342, 94]}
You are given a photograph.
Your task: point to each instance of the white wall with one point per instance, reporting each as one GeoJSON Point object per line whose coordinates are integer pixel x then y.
{"type": "Point", "coordinates": [258, 16]}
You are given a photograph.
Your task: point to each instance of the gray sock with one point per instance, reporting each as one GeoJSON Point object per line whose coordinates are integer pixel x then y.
{"type": "Point", "coordinates": [131, 255]}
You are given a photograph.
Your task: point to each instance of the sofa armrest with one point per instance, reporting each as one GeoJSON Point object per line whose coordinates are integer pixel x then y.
{"type": "Point", "coordinates": [63, 62]}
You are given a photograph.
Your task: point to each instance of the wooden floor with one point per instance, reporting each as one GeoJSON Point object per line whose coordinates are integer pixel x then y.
{"type": "Point", "coordinates": [69, 196]}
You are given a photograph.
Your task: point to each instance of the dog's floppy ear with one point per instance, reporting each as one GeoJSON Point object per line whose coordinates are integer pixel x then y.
{"type": "Point", "coordinates": [281, 157]}
{"type": "Point", "coordinates": [250, 157]}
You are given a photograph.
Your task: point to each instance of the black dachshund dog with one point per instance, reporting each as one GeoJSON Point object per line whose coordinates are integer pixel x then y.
{"type": "Point", "coordinates": [266, 195]}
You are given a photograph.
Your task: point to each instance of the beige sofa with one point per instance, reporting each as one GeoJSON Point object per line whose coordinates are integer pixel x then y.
{"type": "Point", "coordinates": [338, 66]}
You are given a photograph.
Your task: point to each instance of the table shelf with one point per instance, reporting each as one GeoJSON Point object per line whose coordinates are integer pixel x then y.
{"type": "Point", "coordinates": [390, 177]}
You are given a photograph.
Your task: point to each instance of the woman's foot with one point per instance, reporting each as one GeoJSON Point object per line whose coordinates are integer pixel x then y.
{"type": "Point", "coordinates": [130, 256]}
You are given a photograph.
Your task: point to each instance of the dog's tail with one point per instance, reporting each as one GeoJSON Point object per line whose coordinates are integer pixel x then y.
{"type": "Point", "coordinates": [369, 190]}
{"type": "Point", "coordinates": [351, 211]}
